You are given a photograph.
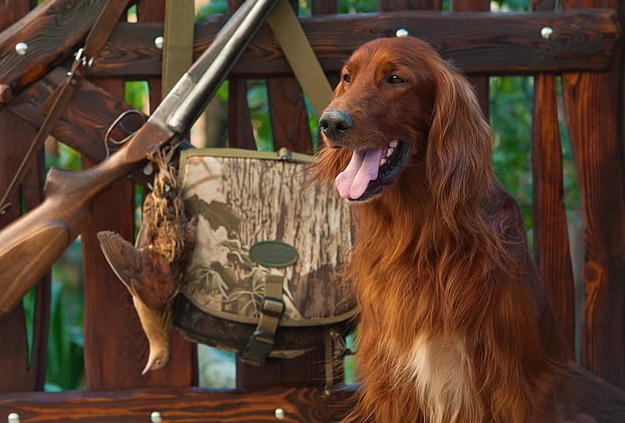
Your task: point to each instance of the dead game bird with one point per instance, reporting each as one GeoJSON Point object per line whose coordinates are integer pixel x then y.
{"type": "Point", "coordinates": [152, 270]}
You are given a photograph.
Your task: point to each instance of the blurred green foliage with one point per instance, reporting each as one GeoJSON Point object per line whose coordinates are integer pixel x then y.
{"type": "Point", "coordinates": [510, 107]}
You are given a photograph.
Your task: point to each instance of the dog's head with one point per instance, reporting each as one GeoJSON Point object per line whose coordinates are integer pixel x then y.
{"type": "Point", "coordinates": [399, 105]}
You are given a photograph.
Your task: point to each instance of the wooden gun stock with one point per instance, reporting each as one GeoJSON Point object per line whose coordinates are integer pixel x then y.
{"type": "Point", "coordinates": [30, 245]}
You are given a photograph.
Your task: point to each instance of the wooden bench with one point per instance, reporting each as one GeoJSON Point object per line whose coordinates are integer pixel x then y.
{"type": "Point", "coordinates": [584, 52]}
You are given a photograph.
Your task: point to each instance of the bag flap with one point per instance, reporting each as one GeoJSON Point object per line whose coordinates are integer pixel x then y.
{"type": "Point", "coordinates": [246, 200]}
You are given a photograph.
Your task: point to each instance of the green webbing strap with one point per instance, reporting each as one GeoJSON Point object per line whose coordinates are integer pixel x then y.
{"type": "Point", "coordinates": [300, 55]}
{"type": "Point", "coordinates": [177, 41]}
{"type": "Point", "coordinates": [261, 342]}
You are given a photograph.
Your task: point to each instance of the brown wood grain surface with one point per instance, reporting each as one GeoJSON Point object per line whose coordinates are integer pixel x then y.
{"type": "Point", "coordinates": [551, 242]}
{"type": "Point", "coordinates": [19, 370]}
{"type": "Point", "coordinates": [240, 131]}
{"type": "Point", "coordinates": [480, 83]}
{"type": "Point", "coordinates": [299, 404]}
{"type": "Point", "coordinates": [115, 346]}
{"type": "Point", "coordinates": [552, 252]}
{"type": "Point", "coordinates": [289, 119]}
{"type": "Point", "coordinates": [51, 31]}
{"type": "Point", "coordinates": [152, 11]}
{"type": "Point", "coordinates": [81, 125]}
{"type": "Point", "coordinates": [590, 395]}
{"type": "Point", "coordinates": [594, 107]}
{"type": "Point", "coordinates": [583, 47]}
{"type": "Point", "coordinates": [324, 7]}
{"type": "Point", "coordinates": [478, 42]}
{"type": "Point", "coordinates": [388, 5]}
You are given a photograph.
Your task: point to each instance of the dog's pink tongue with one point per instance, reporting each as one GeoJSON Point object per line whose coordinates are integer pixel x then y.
{"type": "Point", "coordinates": [362, 168]}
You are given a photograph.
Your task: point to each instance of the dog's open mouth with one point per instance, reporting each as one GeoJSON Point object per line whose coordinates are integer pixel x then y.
{"type": "Point", "coordinates": [369, 170]}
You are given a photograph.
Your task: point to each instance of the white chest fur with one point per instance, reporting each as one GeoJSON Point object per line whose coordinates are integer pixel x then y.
{"type": "Point", "coordinates": [440, 370]}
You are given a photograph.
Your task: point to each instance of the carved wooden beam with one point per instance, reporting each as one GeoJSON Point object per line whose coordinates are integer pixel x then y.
{"type": "Point", "coordinates": [590, 394]}
{"type": "Point", "coordinates": [81, 126]}
{"type": "Point", "coordinates": [478, 42]}
{"type": "Point", "coordinates": [46, 36]}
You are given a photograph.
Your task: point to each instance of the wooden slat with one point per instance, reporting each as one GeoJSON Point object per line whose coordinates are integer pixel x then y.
{"type": "Point", "coordinates": [388, 5]}
{"type": "Point", "coordinates": [478, 42]}
{"type": "Point", "coordinates": [115, 346]}
{"type": "Point", "coordinates": [551, 241]}
{"type": "Point", "coordinates": [324, 7]}
{"type": "Point", "coordinates": [289, 119]}
{"type": "Point", "coordinates": [114, 343]}
{"type": "Point", "coordinates": [480, 83]}
{"type": "Point", "coordinates": [593, 103]}
{"type": "Point", "coordinates": [299, 404]}
{"type": "Point", "coordinates": [81, 125]}
{"type": "Point", "coordinates": [590, 394]}
{"type": "Point", "coordinates": [153, 11]}
{"type": "Point", "coordinates": [18, 372]}
{"type": "Point", "coordinates": [240, 132]}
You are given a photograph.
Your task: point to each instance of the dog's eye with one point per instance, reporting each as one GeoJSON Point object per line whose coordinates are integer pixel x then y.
{"type": "Point", "coordinates": [394, 79]}
{"type": "Point", "coordinates": [347, 78]}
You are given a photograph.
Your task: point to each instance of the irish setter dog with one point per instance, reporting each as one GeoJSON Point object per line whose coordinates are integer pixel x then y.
{"type": "Point", "coordinates": [454, 324]}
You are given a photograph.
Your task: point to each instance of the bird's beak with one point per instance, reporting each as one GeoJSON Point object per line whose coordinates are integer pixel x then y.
{"type": "Point", "coordinates": [159, 357]}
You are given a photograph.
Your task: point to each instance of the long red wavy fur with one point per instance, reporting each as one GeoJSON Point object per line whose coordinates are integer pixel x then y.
{"type": "Point", "coordinates": [454, 324]}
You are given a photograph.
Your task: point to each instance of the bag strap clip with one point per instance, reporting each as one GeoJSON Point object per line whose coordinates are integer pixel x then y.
{"type": "Point", "coordinates": [261, 342]}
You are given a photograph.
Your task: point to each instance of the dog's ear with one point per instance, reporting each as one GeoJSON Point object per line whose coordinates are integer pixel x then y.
{"type": "Point", "coordinates": [459, 147]}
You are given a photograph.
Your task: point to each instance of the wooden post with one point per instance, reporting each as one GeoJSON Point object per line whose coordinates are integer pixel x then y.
{"type": "Point", "coordinates": [17, 371]}
{"type": "Point", "coordinates": [480, 83]}
{"type": "Point", "coordinates": [116, 348]}
{"type": "Point", "coordinates": [551, 241]}
{"type": "Point", "coordinates": [240, 132]}
{"type": "Point", "coordinates": [594, 111]}
{"type": "Point", "coordinates": [289, 119]}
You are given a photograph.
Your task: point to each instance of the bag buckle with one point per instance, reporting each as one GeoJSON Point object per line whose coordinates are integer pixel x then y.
{"type": "Point", "coordinates": [258, 348]}
{"type": "Point", "coordinates": [273, 307]}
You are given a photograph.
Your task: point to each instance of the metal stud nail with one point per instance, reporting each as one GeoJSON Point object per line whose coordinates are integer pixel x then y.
{"type": "Point", "coordinates": [402, 32]}
{"type": "Point", "coordinates": [148, 169]}
{"type": "Point", "coordinates": [546, 32]}
{"type": "Point", "coordinates": [156, 417]}
{"type": "Point", "coordinates": [158, 42]}
{"type": "Point", "coordinates": [13, 418]}
{"type": "Point", "coordinates": [280, 414]}
{"type": "Point", "coordinates": [21, 48]}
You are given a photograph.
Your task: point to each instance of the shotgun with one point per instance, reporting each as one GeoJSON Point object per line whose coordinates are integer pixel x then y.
{"type": "Point", "coordinates": [30, 245]}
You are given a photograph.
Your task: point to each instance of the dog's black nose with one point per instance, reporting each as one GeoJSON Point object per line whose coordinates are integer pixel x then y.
{"type": "Point", "coordinates": [334, 123]}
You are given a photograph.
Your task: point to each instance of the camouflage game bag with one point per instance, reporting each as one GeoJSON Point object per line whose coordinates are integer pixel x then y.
{"type": "Point", "coordinates": [262, 279]}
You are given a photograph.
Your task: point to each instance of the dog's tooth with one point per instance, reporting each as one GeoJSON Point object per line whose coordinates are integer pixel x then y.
{"type": "Point", "coordinates": [394, 144]}
{"type": "Point", "coordinates": [382, 162]}
{"type": "Point", "coordinates": [389, 152]}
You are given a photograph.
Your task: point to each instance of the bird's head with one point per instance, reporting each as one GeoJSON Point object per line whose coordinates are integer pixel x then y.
{"type": "Point", "coordinates": [158, 358]}
{"type": "Point", "coordinates": [157, 325]}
